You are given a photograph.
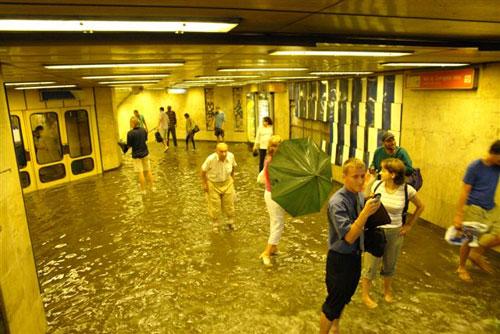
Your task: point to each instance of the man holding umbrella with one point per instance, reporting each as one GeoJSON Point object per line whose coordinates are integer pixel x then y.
{"type": "Point", "coordinates": [347, 218]}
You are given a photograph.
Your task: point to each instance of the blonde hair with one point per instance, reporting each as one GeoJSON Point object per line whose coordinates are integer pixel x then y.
{"type": "Point", "coordinates": [352, 163]}
{"type": "Point", "coordinates": [273, 144]}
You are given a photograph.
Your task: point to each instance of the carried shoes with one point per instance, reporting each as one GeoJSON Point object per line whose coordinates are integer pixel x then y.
{"type": "Point", "coordinates": [266, 260]}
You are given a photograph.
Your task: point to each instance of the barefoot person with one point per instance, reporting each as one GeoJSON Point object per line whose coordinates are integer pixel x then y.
{"type": "Point", "coordinates": [394, 194]}
{"type": "Point", "coordinates": [137, 138]}
{"type": "Point", "coordinates": [276, 212]}
{"type": "Point", "coordinates": [347, 220]}
{"type": "Point", "coordinates": [477, 203]}
{"type": "Point", "coordinates": [217, 174]}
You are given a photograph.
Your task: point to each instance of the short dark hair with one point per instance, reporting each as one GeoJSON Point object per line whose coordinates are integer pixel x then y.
{"type": "Point", "coordinates": [162, 109]}
{"type": "Point", "coordinates": [495, 148]}
{"type": "Point", "coordinates": [186, 115]}
{"type": "Point", "coordinates": [268, 120]}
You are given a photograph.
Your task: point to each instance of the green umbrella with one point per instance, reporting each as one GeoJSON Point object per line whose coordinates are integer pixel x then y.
{"type": "Point", "coordinates": [300, 175]}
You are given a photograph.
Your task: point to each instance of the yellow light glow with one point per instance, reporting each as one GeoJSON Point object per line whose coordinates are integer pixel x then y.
{"type": "Point", "coordinates": [116, 26]}
{"type": "Point", "coordinates": [127, 82]}
{"type": "Point", "coordinates": [32, 83]}
{"type": "Point", "coordinates": [117, 65]}
{"type": "Point", "coordinates": [44, 87]}
{"type": "Point", "coordinates": [426, 64]}
{"type": "Point", "coordinates": [262, 69]}
{"type": "Point", "coordinates": [326, 53]}
{"type": "Point", "coordinates": [121, 76]}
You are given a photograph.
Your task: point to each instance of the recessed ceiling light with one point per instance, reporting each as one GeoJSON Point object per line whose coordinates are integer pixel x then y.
{"type": "Point", "coordinates": [262, 69]}
{"type": "Point", "coordinates": [425, 64]}
{"type": "Point", "coordinates": [44, 87]}
{"type": "Point", "coordinates": [83, 66]}
{"type": "Point", "coordinates": [325, 53]}
{"type": "Point", "coordinates": [127, 82]}
{"type": "Point", "coordinates": [294, 78]}
{"type": "Point", "coordinates": [340, 73]}
{"type": "Point", "coordinates": [124, 26]}
{"type": "Point", "coordinates": [177, 91]}
{"type": "Point", "coordinates": [126, 76]}
{"type": "Point", "coordinates": [207, 81]}
{"type": "Point", "coordinates": [29, 83]}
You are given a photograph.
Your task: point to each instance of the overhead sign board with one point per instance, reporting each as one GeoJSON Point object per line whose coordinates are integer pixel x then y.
{"type": "Point", "coordinates": [447, 79]}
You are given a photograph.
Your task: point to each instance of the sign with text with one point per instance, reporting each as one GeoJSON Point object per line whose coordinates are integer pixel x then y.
{"type": "Point", "coordinates": [448, 79]}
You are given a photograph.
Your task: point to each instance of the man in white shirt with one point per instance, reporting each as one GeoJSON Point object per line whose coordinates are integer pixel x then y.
{"type": "Point", "coordinates": [217, 174]}
{"type": "Point", "coordinates": [163, 126]}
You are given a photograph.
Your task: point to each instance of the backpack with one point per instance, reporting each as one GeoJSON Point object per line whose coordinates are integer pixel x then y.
{"type": "Point", "coordinates": [405, 208]}
{"type": "Point", "coordinates": [415, 179]}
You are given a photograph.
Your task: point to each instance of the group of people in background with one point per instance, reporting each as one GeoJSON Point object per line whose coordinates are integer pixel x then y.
{"type": "Point", "coordinates": [348, 209]}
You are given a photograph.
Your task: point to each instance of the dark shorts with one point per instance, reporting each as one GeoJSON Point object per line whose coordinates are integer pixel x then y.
{"type": "Point", "coordinates": [219, 132]}
{"type": "Point", "coordinates": [342, 277]}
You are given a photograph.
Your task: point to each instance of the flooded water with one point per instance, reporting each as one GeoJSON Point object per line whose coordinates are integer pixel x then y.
{"type": "Point", "coordinates": [111, 260]}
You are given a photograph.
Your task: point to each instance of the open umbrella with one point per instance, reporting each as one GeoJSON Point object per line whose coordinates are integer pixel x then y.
{"type": "Point", "coordinates": [300, 175]}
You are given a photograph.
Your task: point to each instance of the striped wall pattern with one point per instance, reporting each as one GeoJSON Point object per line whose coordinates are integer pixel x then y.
{"type": "Point", "coordinates": [359, 111]}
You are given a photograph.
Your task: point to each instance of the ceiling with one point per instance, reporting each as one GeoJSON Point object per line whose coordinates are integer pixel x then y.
{"type": "Point", "coordinates": [435, 30]}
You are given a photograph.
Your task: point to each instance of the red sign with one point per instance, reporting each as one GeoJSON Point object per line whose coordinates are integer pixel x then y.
{"type": "Point", "coordinates": [449, 79]}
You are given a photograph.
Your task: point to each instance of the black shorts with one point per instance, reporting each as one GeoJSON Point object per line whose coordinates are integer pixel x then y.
{"type": "Point", "coordinates": [343, 272]}
{"type": "Point", "coordinates": [219, 132]}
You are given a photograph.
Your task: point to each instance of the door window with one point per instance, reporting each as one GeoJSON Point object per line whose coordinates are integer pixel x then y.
{"type": "Point", "coordinates": [17, 134]}
{"type": "Point", "coordinates": [46, 137]}
{"type": "Point", "coordinates": [78, 132]}
{"type": "Point", "coordinates": [52, 173]}
{"type": "Point", "coordinates": [81, 166]}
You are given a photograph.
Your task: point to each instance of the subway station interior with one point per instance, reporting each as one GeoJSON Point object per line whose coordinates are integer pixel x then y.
{"type": "Point", "coordinates": [83, 250]}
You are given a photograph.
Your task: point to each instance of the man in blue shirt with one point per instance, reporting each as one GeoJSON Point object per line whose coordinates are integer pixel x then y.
{"type": "Point", "coordinates": [477, 203]}
{"type": "Point", "coordinates": [218, 124]}
{"type": "Point", "coordinates": [347, 218]}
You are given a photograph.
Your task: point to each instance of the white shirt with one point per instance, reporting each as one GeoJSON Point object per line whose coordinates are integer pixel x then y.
{"type": "Point", "coordinates": [394, 203]}
{"type": "Point", "coordinates": [217, 170]}
{"type": "Point", "coordinates": [163, 120]}
{"type": "Point", "coordinates": [263, 135]}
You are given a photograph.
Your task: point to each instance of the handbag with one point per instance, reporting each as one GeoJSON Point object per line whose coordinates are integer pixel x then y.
{"type": "Point", "coordinates": [196, 128]}
{"type": "Point", "coordinates": [380, 217]}
{"type": "Point", "coordinates": [415, 179]}
{"type": "Point", "coordinates": [158, 137]}
{"type": "Point", "coordinates": [375, 241]}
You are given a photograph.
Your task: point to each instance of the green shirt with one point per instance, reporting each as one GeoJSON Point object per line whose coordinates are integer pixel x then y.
{"type": "Point", "coordinates": [400, 153]}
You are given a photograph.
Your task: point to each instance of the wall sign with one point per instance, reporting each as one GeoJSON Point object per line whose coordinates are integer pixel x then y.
{"type": "Point", "coordinates": [448, 79]}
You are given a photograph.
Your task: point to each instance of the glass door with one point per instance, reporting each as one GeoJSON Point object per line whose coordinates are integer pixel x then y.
{"type": "Point", "coordinates": [46, 142]}
{"type": "Point", "coordinates": [24, 155]}
{"type": "Point", "coordinates": [79, 150]}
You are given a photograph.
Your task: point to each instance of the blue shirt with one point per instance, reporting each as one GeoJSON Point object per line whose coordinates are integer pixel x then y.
{"type": "Point", "coordinates": [136, 138]}
{"type": "Point", "coordinates": [219, 119]}
{"type": "Point", "coordinates": [342, 212]}
{"type": "Point", "coordinates": [484, 180]}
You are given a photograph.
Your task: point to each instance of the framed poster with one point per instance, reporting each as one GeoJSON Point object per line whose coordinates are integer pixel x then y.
{"type": "Point", "coordinates": [238, 109]}
{"type": "Point", "coordinates": [209, 108]}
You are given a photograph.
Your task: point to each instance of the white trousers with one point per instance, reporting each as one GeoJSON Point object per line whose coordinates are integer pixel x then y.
{"type": "Point", "coordinates": [276, 219]}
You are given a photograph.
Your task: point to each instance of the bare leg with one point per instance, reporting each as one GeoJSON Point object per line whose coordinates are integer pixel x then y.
{"type": "Point", "coordinates": [325, 325]}
{"type": "Point", "coordinates": [149, 178]}
{"type": "Point", "coordinates": [388, 290]}
{"type": "Point", "coordinates": [266, 255]}
{"type": "Point", "coordinates": [142, 181]}
{"type": "Point", "coordinates": [476, 255]}
{"type": "Point", "coordinates": [365, 294]}
{"type": "Point", "coordinates": [462, 271]}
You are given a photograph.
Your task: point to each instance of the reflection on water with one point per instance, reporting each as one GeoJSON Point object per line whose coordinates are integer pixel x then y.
{"type": "Point", "coordinates": [113, 261]}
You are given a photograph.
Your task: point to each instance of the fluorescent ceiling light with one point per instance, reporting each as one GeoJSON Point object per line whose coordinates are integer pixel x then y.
{"type": "Point", "coordinates": [126, 76]}
{"type": "Point", "coordinates": [340, 73]}
{"type": "Point", "coordinates": [83, 66]}
{"type": "Point", "coordinates": [207, 81]}
{"type": "Point", "coordinates": [426, 64]}
{"type": "Point", "coordinates": [176, 91]}
{"type": "Point", "coordinates": [29, 83]}
{"type": "Point", "coordinates": [44, 87]}
{"type": "Point", "coordinates": [103, 25]}
{"type": "Point", "coordinates": [262, 69]}
{"type": "Point", "coordinates": [215, 77]}
{"type": "Point", "coordinates": [341, 53]}
{"type": "Point", "coordinates": [130, 85]}
{"type": "Point", "coordinates": [127, 82]}
{"type": "Point", "coordinates": [294, 78]}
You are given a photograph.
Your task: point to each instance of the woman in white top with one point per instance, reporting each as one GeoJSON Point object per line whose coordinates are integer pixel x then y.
{"type": "Point", "coordinates": [392, 187]}
{"type": "Point", "coordinates": [264, 133]}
